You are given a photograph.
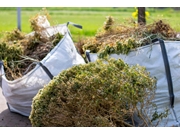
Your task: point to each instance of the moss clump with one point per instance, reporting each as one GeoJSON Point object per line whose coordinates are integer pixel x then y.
{"type": "Point", "coordinates": [94, 94]}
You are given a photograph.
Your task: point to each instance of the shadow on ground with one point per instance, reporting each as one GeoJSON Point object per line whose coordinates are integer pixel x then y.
{"type": "Point", "coordinates": [10, 119]}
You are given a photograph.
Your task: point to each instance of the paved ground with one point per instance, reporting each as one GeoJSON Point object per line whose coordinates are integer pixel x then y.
{"type": "Point", "coordinates": [9, 119]}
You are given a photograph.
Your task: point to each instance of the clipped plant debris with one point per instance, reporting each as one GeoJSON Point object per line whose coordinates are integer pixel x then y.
{"type": "Point", "coordinates": [97, 94]}
{"type": "Point", "coordinates": [19, 50]}
{"type": "Point", "coordinates": [117, 38]}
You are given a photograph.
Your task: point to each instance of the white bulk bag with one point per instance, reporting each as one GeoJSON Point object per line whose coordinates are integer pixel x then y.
{"type": "Point", "coordinates": [20, 92]}
{"type": "Point", "coordinates": [150, 56]}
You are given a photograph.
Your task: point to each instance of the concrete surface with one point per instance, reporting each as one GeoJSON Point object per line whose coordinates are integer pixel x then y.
{"type": "Point", "coordinates": [10, 119]}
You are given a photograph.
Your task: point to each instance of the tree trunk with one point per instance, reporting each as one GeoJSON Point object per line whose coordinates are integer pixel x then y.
{"type": "Point", "coordinates": [141, 16]}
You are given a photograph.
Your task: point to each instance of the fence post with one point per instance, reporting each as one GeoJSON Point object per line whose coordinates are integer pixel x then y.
{"type": "Point", "coordinates": [19, 18]}
{"type": "Point", "coordinates": [141, 15]}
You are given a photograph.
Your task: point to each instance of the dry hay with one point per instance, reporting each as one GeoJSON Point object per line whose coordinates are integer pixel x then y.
{"type": "Point", "coordinates": [118, 38]}
{"type": "Point", "coordinates": [96, 95]}
{"type": "Point", "coordinates": [19, 50]}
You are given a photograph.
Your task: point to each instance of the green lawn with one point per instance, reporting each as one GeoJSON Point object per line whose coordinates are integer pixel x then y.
{"type": "Point", "coordinates": [90, 18]}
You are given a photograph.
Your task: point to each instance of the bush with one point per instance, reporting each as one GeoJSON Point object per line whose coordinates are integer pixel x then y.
{"type": "Point", "coordinates": [95, 94]}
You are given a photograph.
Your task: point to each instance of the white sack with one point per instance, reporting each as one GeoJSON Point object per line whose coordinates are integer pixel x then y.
{"type": "Point", "coordinates": [20, 92]}
{"type": "Point", "coordinates": [150, 56]}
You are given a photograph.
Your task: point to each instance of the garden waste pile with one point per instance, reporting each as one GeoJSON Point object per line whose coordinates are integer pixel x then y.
{"type": "Point", "coordinates": [155, 46]}
{"type": "Point", "coordinates": [116, 38]}
{"type": "Point", "coordinates": [31, 61]}
{"type": "Point", "coordinates": [105, 92]}
{"type": "Point", "coordinates": [19, 50]}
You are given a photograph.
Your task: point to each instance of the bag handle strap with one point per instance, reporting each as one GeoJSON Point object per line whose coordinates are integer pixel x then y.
{"type": "Point", "coordinates": [168, 72]}
{"type": "Point", "coordinates": [88, 55]}
{"type": "Point", "coordinates": [1, 64]}
{"type": "Point", "coordinates": [75, 25]}
{"type": "Point", "coordinates": [167, 69]}
{"type": "Point", "coordinates": [42, 66]}
{"type": "Point", "coordinates": [46, 70]}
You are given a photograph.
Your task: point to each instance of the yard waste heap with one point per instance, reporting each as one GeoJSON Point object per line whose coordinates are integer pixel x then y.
{"type": "Point", "coordinates": [106, 92]}
{"type": "Point", "coordinates": [155, 46]}
{"type": "Point", "coordinates": [118, 38]}
{"type": "Point", "coordinates": [19, 50]}
{"type": "Point", "coordinates": [30, 61]}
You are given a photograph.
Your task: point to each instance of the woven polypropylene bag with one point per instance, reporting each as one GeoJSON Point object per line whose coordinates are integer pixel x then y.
{"type": "Point", "coordinates": [20, 92]}
{"type": "Point", "coordinates": [150, 56]}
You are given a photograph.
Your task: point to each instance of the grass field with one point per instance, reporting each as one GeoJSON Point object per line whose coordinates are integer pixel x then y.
{"type": "Point", "coordinates": [90, 18]}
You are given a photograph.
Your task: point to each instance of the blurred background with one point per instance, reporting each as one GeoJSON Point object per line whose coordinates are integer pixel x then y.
{"type": "Point", "coordinates": [91, 18]}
